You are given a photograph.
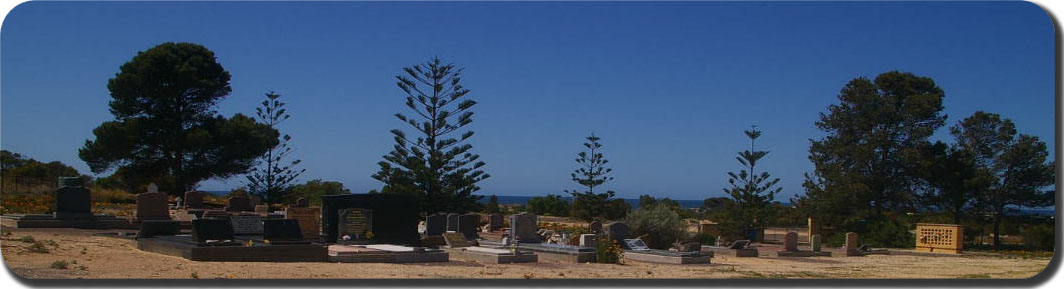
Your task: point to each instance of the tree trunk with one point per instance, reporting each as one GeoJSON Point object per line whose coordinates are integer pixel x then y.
{"type": "Point", "coordinates": [997, 234]}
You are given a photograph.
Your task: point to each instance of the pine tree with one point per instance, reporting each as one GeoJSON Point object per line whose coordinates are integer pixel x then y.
{"type": "Point", "coordinates": [492, 206]}
{"type": "Point", "coordinates": [752, 193]}
{"type": "Point", "coordinates": [272, 179]}
{"type": "Point", "coordinates": [592, 172]}
{"type": "Point", "coordinates": [437, 166]}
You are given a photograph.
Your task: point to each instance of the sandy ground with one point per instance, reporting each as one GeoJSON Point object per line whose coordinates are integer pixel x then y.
{"type": "Point", "coordinates": [105, 257]}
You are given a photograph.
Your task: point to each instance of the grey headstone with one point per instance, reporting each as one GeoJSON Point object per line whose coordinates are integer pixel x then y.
{"type": "Point", "coordinates": [815, 243]}
{"type": "Point", "coordinates": [790, 242]}
{"type": "Point", "coordinates": [617, 231]}
{"type": "Point", "coordinates": [588, 240]}
{"type": "Point", "coordinates": [523, 228]}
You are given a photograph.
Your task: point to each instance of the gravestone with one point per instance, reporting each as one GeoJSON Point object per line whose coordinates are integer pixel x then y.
{"type": "Point", "coordinates": [281, 230]}
{"type": "Point", "coordinates": [262, 209]}
{"type": "Point", "coordinates": [851, 240]}
{"type": "Point", "coordinates": [211, 229]}
{"type": "Point", "coordinates": [193, 199]}
{"type": "Point", "coordinates": [215, 214]}
{"type": "Point", "coordinates": [152, 205]}
{"type": "Point", "coordinates": [588, 240]}
{"type": "Point", "coordinates": [302, 203]}
{"type": "Point", "coordinates": [452, 222]}
{"type": "Point", "coordinates": [435, 224]}
{"type": "Point", "coordinates": [595, 227]}
{"type": "Point", "coordinates": [255, 201]}
{"type": "Point", "coordinates": [356, 226]}
{"type": "Point", "coordinates": [72, 199]}
{"type": "Point", "coordinates": [617, 231]}
{"type": "Point", "coordinates": [457, 240]}
{"type": "Point", "coordinates": [151, 228]}
{"type": "Point", "coordinates": [815, 243]}
{"type": "Point", "coordinates": [467, 225]}
{"type": "Point", "coordinates": [523, 228]}
{"type": "Point", "coordinates": [239, 204]}
{"type": "Point", "coordinates": [246, 225]}
{"type": "Point", "coordinates": [814, 228]}
{"type": "Point", "coordinates": [495, 222]}
{"type": "Point", "coordinates": [635, 245]}
{"type": "Point", "coordinates": [309, 221]}
{"type": "Point", "coordinates": [790, 242]}
{"type": "Point", "coordinates": [395, 217]}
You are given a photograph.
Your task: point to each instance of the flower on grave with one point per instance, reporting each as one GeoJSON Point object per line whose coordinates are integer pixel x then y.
{"type": "Point", "coordinates": [266, 241]}
{"type": "Point", "coordinates": [249, 243]}
{"type": "Point", "coordinates": [346, 238]}
{"type": "Point", "coordinates": [369, 234]}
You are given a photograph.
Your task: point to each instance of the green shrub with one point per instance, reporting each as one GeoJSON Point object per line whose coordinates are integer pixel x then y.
{"type": "Point", "coordinates": [27, 239]}
{"type": "Point", "coordinates": [38, 247]}
{"type": "Point", "coordinates": [608, 251]}
{"type": "Point", "coordinates": [1039, 237]}
{"type": "Point", "coordinates": [705, 238]}
{"type": "Point", "coordinates": [59, 264]}
{"type": "Point", "coordinates": [877, 232]}
{"type": "Point", "coordinates": [658, 225]}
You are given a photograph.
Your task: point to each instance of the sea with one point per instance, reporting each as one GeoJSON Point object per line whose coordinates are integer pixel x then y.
{"type": "Point", "coordinates": [689, 204]}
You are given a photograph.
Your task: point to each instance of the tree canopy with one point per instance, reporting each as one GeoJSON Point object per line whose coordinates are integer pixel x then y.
{"type": "Point", "coordinates": [165, 127]}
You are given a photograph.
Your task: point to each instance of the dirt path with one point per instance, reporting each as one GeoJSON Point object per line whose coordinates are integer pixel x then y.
{"type": "Point", "coordinates": [90, 256]}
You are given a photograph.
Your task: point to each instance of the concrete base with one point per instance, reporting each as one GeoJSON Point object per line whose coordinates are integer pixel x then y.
{"type": "Point", "coordinates": [364, 254]}
{"type": "Point", "coordinates": [183, 246]}
{"type": "Point", "coordinates": [724, 251]}
{"type": "Point", "coordinates": [802, 254]}
{"type": "Point", "coordinates": [559, 253]}
{"type": "Point", "coordinates": [487, 255]}
{"type": "Point", "coordinates": [645, 257]}
{"type": "Point", "coordinates": [938, 250]}
{"type": "Point", "coordinates": [97, 222]}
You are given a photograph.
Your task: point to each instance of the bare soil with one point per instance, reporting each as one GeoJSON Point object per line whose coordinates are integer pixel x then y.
{"type": "Point", "coordinates": [89, 256]}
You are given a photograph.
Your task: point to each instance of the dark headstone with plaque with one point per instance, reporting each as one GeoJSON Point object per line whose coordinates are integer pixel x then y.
{"type": "Point", "coordinates": [246, 224]}
{"type": "Point", "coordinates": [152, 206]}
{"type": "Point", "coordinates": [72, 199]}
{"type": "Point", "coordinates": [204, 230]}
{"type": "Point", "coordinates": [435, 224]}
{"type": "Point", "coordinates": [595, 227]}
{"type": "Point", "coordinates": [356, 226]}
{"type": "Point", "coordinates": [468, 224]}
{"type": "Point", "coordinates": [395, 217]}
{"type": "Point", "coordinates": [282, 232]}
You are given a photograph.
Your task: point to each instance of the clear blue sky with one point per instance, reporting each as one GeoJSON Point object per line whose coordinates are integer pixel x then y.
{"type": "Point", "coordinates": [668, 86]}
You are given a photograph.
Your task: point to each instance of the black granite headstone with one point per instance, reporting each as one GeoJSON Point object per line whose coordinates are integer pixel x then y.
{"type": "Point", "coordinates": [395, 217]}
{"type": "Point", "coordinates": [435, 224]}
{"type": "Point", "coordinates": [467, 225]}
{"type": "Point", "coordinates": [151, 228]}
{"type": "Point", "coordinates": [617, 231]}
{"type": "Point", "coordinates": [211, 229]}
{"type": "Point", "coordinates": [72, 199]}
{"type": "Point", "coordinates": [280, 231]}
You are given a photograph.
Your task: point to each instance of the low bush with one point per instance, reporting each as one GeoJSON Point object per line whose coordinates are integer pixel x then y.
{"type": "Point", "coordinates": [1039, 237]}
{"type": "Point", "coordinates": [658, 225]}
{"type": "Point", "coordinates": [59, 264]}
{"type": "Point", "coordinates": [608, 251]}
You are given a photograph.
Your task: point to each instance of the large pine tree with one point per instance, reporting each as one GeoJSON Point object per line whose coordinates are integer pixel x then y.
{"type": "Point", "coordinates": [435, 164]}
{"type": "Point", "coordinates": [272, 179]}
{"type": "Point", "coordinates": [590, 173]}
{"type": "Point", "coordinates": [752, 193]}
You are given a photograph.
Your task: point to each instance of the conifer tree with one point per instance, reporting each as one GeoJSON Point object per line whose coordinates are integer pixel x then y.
{"type": "Point", "coordinates": [272, 179]}
{"type": "Point", "coordinates": [592, 172]}
{"type": "Point", "coordinates": [752, 193]}
{"type": "Point", "coordinates": [435, 164]}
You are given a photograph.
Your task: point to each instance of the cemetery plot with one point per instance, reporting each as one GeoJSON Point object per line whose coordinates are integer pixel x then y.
{"type": "Point", "coordinates": [382, 253]}
{"type": "Point", "coordinates": [463, 249]}
{"type": "Point", "coordinates": [739, 248]}
{"type": "Point", "coordinates": [214, 240]}
{"type": "Point", "coordinates": [73, 209]}
{"type": "Point", "coordinates": [635, 249]}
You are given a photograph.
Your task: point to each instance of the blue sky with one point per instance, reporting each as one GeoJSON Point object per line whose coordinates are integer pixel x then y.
{"type": "Point", "coordinates": [668, 86]}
